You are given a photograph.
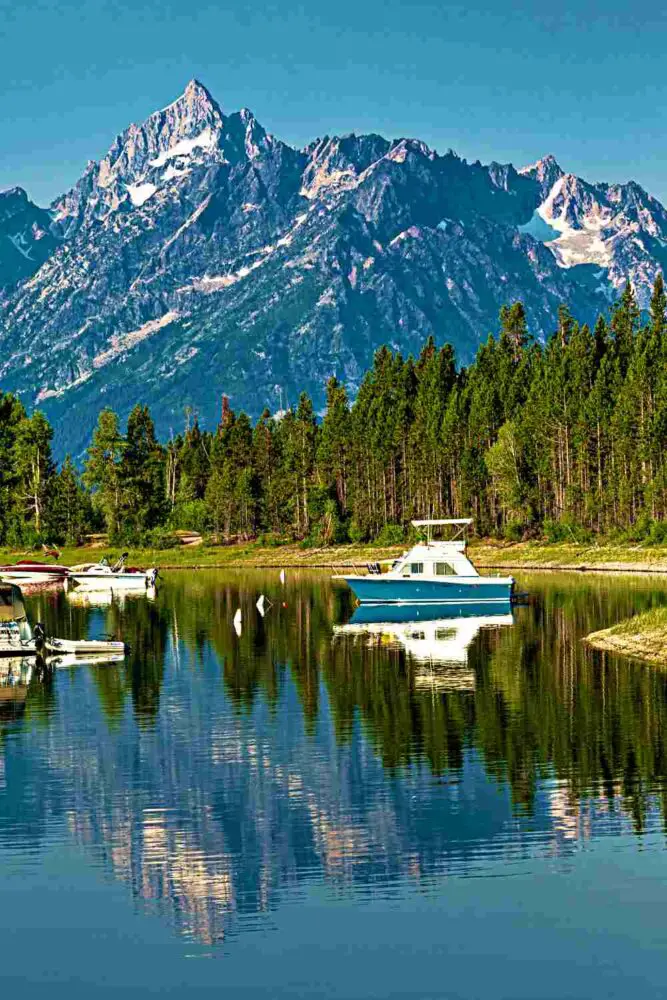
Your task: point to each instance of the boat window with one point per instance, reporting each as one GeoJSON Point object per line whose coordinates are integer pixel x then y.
{"type": "Point", "coordinates": [442, 634]}
{"type": "Point", "coordinates": [406, 570]}
{"type": "Point", "coordinates": [443, 569]}
{"type": "Point", "coordinates": [416, 568]}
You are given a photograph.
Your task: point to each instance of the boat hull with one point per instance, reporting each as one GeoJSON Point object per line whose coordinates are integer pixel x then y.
{"type": "Point", "coordinates": [26, 576]}
{"type": "Point", "coordinates": [451, 590]}
{"type": "Point", "coordinates": [109, 581]}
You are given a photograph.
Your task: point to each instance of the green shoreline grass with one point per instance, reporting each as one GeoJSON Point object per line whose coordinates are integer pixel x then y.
{"type": "Point", "coordinates": [642, 637]}
{"type": "Point", "coordinates": [604, 557]}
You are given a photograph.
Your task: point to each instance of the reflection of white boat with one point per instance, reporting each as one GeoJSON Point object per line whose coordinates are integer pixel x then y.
{"type": "Point", "coordinates": [63, 660]}
{"type": "Point", "coordinates": [87, 598]}
{"type": "Point", "coordinates": [15, 632]}
{"type": "Point", "coordinates": [439, 645]}
{"type": "Point", "coordinates": [102, 576]}
{"type": "Point", "coordinates": [85, 647]}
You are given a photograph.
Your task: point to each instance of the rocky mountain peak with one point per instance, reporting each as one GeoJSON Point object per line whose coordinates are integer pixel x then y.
{"type": "Point", "coordinates": [158, 146]}
{"type": "Point", "coordinates": [545, 171]}
{"type": "Point", "coordinates": [25, 237]}
{"type": "Point", "coordinates": [203, 255]}
{"type": "Point", "coordinates": [12, 200]}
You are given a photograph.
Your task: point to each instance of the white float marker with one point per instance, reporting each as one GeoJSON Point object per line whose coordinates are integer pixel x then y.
{"type": "Point", "coordinates": [282, 576]}
{"type": "Point", "coordinates": [260, 604]}
{"type": "Point", "coordinates": [237, 622]}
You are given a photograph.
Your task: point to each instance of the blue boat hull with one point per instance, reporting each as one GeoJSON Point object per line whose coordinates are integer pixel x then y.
{"type": "Point", "coordinates": [453, 590]}
{"type": "Point", "coordinates": [376, 613]}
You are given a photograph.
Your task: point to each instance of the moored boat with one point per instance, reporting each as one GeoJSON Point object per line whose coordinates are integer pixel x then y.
{"type": "Point", "coordinates": [26, 571]}
{"type": "Point", "coordinates": [102, 576]}
{"type": "Point", "coordinates": [16, 637]}
{"type": "Point", "coordinates": [431, 572]}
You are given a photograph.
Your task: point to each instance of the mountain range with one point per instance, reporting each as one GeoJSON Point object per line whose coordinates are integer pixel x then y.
{"type": "Point", "coordinates": [202, 256]}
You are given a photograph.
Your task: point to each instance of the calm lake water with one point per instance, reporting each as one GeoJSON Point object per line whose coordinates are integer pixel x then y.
{"type": "Point", "coordinates": [326, 807]}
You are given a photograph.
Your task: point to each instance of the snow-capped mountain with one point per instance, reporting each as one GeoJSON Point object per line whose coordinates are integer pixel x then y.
{"type": "Point", "coordinates": [619, 227]}
{"type": "Point", "coordinates": [203, 255]}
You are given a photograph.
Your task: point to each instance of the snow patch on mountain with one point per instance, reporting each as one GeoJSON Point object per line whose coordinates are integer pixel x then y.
{"type": "Point", "coordinates": [173, 173]}
{"type": "Point", "coordinates": [580, 239]}
{"type": "Point", "coordinates": [140, 193]}
{"type": "Point", "coordinates": [205, 140]}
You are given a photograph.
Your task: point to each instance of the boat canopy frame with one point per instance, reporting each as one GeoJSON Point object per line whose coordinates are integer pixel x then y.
{"type": "Point", "coordinates": [461, 522]}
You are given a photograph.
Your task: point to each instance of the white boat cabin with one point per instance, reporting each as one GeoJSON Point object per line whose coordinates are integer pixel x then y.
{"type": "Point", "coordinates": [435, 559]}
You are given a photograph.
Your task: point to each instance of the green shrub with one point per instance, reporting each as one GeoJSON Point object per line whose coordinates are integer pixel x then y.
{"type": "Point", "coordinates": [272, 540]}
{"type": "Point", "coordinates": [513, 531]}
{"type": "Point", "coordinates": [565, 531]}
{"type": "Point", "coordinates": [391, 534]}
{"type": "Point", "coordinates": [161, 539]}
{"type": "Point", "coordinates": [191, 515]}
{"type": "Point", "coordinates": [357, 533]}
{"type": "Point", "coordinates": [657, 533]}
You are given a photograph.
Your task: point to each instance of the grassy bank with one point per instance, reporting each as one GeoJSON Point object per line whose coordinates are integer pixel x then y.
{"type": "Point", "coordinates": [642, 637]}
{"type": "Point", "coordinates": [605, 557]}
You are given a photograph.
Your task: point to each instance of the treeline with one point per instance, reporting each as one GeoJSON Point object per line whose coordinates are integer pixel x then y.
{"type": "Point", "coordinates": [565, 439]}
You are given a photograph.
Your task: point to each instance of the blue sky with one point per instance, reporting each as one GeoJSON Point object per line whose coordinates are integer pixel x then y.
{"type": "Point", "coordinates": [491, 80]}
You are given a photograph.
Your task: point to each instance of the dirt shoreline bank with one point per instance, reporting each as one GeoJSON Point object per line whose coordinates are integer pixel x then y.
{"type": "Point", "coordinates": [487, 555]}
{"type": "Point", "coordinates": [643, 637]}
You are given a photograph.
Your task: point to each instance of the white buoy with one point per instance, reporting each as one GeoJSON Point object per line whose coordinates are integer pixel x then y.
{"type": "Point", "coordinates": [282, 576]}
{"type": "Point", "coordinates": [237, 622]}
{"type": "Point", "coordinates": [260, 604]}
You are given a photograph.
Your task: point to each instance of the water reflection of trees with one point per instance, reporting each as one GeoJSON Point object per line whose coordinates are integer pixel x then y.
{"type": "Point", "coordinates": [543, 704]}
{"type": "Point", "coordinates": [205, 792]}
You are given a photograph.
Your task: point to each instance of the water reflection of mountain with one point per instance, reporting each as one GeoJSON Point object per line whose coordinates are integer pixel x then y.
{"type": "Point", "coordinates": [215, 774]}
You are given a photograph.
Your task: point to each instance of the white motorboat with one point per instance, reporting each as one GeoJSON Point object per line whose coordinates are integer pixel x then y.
{"type": "Point", "coordinates": [102, 576]}
{"type": "Point", "coordinates": [431, 572]}
{"type": "Point", "coordinates": [16, 637]}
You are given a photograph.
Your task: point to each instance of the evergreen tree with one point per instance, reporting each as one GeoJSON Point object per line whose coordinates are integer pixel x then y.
{"type": "Point", "coordinates": [102, 472]}
{"type": "Point", "coordinates": [34, 468]}
{"type": "Point", "coordinates": [143, 475]}
{"type": "Point", "coordinates": [70, 510]}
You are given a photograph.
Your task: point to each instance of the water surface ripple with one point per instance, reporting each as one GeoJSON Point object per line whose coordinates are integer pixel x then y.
{"type": "Point", "coordinates": [335, 806]}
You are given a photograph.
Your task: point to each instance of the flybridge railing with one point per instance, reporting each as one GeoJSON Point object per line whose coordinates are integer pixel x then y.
{"type": "Point", "coordinates": [364, 568]}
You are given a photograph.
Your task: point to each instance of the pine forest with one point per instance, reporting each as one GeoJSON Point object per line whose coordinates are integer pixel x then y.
{"type": "Point", "coordinates": [564, 439]}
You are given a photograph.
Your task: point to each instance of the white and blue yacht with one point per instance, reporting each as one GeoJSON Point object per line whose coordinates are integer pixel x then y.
{"type": "Point", "coordinates": [431, 572]}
